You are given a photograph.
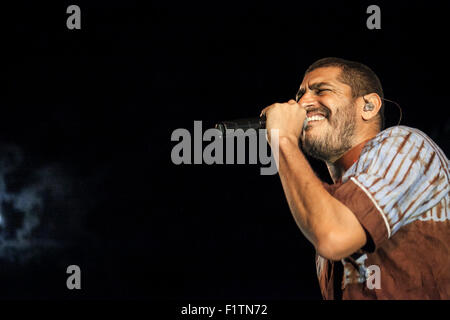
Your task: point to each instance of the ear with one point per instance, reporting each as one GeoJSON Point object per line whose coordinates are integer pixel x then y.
{"type": "Point", "coordinates": [375, 101]}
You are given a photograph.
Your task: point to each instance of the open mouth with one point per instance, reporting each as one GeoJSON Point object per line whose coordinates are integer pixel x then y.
{"type": "Point", "coordinates": [315, 118]}
{"type": "Point", "coordinates": [316, 115]}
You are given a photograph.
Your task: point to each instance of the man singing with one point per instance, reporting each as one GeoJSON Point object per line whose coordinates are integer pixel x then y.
{"type": "Point", "coordinates": [388, 210]}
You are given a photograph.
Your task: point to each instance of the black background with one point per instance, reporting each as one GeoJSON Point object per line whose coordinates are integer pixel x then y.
{"type": "Point", "coordinates": [102, 102]}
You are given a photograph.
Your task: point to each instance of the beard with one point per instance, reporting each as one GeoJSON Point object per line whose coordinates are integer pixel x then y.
{"type": "Point", "coordinates": [336, 138]}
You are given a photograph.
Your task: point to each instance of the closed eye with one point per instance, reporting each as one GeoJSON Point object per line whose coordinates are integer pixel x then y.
{"type": "Point", "coordinates": [320, 91]}
{"type": "Point", "coordinates": [316, 88]}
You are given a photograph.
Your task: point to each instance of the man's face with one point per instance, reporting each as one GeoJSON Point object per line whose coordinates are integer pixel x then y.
{"type": "Point", "coordinates": [330, 112]}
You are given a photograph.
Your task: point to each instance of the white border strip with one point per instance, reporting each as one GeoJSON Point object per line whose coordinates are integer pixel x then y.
{"type": "Point", "coordinates": [375, 203]}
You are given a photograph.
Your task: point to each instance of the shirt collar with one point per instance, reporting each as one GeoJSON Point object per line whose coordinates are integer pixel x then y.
{"type": "Point", "coordinates": [351, 156]}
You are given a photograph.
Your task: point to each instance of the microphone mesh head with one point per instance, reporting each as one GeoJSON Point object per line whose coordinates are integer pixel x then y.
{"type": "Point", "coordinates": [221, 127]}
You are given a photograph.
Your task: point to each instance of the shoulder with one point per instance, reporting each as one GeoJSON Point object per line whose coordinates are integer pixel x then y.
{"type": "Point", "coordinates": [402, 141]}
{"type": "Point", "coordinates": [399, 136]}
{"type": "Point", "coordinates": [398, 149]}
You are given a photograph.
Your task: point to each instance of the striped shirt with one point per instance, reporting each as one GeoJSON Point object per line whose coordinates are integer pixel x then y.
{"type": "Point", "coordinates": [398, 188]}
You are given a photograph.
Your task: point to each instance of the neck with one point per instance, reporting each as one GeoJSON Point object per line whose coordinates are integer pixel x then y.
{"type": "Point", "coordinates": [337, 167]}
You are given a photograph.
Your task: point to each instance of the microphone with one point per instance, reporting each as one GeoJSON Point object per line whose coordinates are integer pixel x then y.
{"type": "Point", "coordinates": [244, 124]}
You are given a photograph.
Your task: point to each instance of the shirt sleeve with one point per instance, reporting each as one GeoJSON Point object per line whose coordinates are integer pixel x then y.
{"type": "Point", "coordinates": [398, 178]}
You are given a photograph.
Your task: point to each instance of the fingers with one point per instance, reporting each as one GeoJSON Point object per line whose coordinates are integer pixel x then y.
{"type": "Point", "coordinates": [292, 101]}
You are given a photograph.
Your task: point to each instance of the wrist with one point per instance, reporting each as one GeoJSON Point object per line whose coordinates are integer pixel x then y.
{"type": "Point", "coordinates": [288, 141]}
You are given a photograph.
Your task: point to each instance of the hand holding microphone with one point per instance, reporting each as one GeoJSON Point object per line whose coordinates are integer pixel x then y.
{"type": "Point", "coordinates": [288, 118]}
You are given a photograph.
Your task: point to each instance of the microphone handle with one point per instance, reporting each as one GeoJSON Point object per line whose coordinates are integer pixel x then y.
{"type": "Point", "coordinates": [244, 124]}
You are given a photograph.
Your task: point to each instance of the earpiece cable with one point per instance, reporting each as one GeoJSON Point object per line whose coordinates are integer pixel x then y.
{"type": "Point", "coordinates": [399, 109]}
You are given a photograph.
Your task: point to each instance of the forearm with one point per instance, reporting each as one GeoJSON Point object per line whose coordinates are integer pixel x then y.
{"type": "Point", "coordinates": [324, 220]}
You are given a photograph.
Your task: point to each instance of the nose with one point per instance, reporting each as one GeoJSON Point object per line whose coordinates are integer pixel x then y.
{"type": "Point", "coordinates": [308, 100]}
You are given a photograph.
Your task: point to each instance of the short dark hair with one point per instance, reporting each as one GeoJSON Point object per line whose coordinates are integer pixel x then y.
{"type": "Point", "coordinates": [358, 76]}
